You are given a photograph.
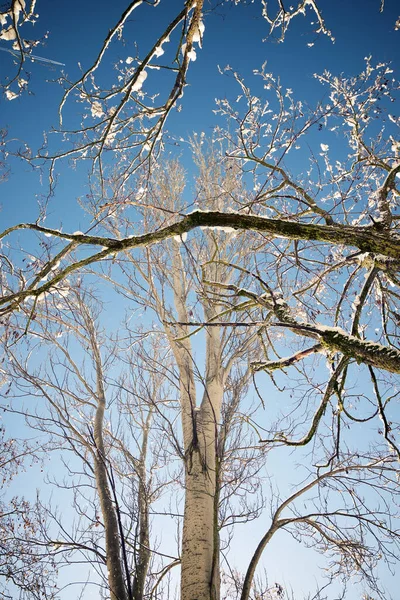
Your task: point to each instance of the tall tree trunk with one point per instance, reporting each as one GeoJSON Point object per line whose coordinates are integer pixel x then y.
{"type": "Point", "coordinates": [200, 543]}
{"type": "Point", "coordinates": [115, 572]}
{"type": "Point", "coordinates": [199, 559]}
{"type": "Point", "coordinates": [114, 568]}
{"type": "Point", "coordinates": [142, 554]}
{"type": "Point", "coordinates": [200, 578]}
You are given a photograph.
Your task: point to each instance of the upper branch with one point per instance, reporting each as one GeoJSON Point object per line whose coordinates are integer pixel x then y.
{"type": "Point", "coordinates": [364, 238]}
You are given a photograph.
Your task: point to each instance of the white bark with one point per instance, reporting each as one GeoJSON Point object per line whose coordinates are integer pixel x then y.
{"type": "Point", "coordinates": [200, 548]}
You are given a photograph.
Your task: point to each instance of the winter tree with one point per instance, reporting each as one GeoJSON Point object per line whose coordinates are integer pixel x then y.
{"type": "Point", "coordinates": [257, 293]}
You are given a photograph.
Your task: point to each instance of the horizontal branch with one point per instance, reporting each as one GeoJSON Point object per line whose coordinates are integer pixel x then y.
{"type": "Point", "coordinates": [273, 365]}
{"type": "Point", "coordinates": [364, 238]}
{"type": "Point", "coordinates": [336, 339]}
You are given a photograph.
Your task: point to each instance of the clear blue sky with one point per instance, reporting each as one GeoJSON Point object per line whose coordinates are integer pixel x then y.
{"type": "Point", "coordinates": [233, 35]}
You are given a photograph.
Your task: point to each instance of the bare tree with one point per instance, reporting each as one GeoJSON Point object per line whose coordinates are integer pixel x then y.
{"type": "Point", "coordinates": [172, 272]}
{"type": "Point", "coordinates": [264, 311]}
{"type": "Point", "coordinates": [371, 171]}
{"type": "Point", "coordinates": [126, 119]}
{"type": "Point", "coordinates": [23, 565]}
{"type": "Point", "coordinates": [116, 473]}
{"type": "Point", "coordinates": [354, 533]}
{"type": "Point", "coordinates": [285, 256]}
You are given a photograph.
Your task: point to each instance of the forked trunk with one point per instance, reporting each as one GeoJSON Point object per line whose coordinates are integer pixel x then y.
{"type": "Point", "coordinates": [115, 571]}
{"type": "Point", "coordinates": [200, 578]}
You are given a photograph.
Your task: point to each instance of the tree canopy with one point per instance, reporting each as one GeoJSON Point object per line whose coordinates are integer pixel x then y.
{"type": "Point", "coordinates": [216, 350]}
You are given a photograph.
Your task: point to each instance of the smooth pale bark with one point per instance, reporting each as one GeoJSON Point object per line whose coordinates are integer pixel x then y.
{"type": "Point", "coordinates": [200, 542]}
{"type": "Point", "coordinates": [200, 579]}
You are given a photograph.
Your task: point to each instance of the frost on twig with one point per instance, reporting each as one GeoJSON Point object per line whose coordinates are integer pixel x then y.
{"type": "Point", "coordinates": [126, 119]}
{"type": "Point", "coordinates": [18, 14]}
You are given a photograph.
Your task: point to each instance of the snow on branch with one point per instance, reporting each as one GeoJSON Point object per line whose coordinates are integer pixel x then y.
{"type": "Point", "coordinates": [126, 118]}
{"type": "Point", "coordinates": [273, 365]}
{"type": "Point", "coordinates": [364, 238]}
{"type": "Point", "coordinates": [12, 18]}
{"type": "Point", "coordinates": [336, 339]}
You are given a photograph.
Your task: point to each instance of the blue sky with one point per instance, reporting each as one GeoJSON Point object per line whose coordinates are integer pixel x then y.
{"type": "Point", "coordinates": [233, 35]}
